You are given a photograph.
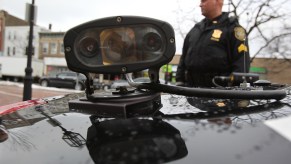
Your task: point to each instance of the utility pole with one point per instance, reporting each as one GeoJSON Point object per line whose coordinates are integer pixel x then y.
{"type": "Point", "coordinates": [28, 70]}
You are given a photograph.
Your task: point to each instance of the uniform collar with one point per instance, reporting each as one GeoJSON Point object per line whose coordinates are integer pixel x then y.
{"type": "Point", "coordinates": [207, 23]}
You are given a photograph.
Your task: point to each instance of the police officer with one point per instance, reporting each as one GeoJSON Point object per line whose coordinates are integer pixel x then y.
{"type": "Point", "coordinates": [216, 46]}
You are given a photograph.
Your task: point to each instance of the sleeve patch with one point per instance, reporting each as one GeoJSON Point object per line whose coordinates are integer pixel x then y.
{"type": "Point", "coordinates": [242, 47]}
{"type": "Point", "coordinates": [240, 33]}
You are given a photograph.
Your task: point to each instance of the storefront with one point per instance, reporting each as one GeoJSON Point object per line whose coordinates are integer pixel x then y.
{"type": "Point", "coordinates": [52, 66]}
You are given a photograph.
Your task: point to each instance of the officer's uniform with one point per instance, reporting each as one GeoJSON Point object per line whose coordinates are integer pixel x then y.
{"type": "Point", "coordinates": [212, 48]}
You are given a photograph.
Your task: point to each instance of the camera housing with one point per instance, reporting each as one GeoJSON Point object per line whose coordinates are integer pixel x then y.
{"type": "Point", "coordinates": [119, 45]}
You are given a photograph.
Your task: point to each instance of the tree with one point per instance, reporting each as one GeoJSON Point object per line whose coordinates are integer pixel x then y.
{"type": "Point", "coordinates": [185, 19]}
{"type": "Point", "coordinates": [265, 22]}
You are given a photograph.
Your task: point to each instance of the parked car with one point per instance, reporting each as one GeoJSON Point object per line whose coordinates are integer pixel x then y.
{"type": "Point", "coordinates": [100, 85]}
{"type": "Point", "coordinates": [119, 83]}
{"type": "Point", "coordinates": [64, 80]}
{"type": "Point", "coordinates": [123, 83]}
{"type": "Point", "coordinates": [147, 80]}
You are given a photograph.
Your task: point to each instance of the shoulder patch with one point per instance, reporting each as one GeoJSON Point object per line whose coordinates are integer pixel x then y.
{"type": "Point", "coordinates": [242, 48]}
{"type": "Point", "coordinates": [240, 33]}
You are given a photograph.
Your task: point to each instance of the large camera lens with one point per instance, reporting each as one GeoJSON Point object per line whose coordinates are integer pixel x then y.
{"type": "Point", "coordinates": [89, 47]}
{"type": "Point", "coordinates": [152, 42]}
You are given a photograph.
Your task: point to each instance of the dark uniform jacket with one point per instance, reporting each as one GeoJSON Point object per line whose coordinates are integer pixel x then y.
{"type": "Point", "coordinates": [212, 48]}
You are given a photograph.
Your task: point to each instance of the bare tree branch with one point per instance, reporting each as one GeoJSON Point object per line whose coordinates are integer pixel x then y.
{"type": "Point", "coordinates": [268, 43]}
{"type": "Point", "coordinates": [262, 34]}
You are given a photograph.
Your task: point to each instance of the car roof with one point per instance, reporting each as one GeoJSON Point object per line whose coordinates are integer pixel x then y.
{"type": "Point", "coordinates": [248, 135]}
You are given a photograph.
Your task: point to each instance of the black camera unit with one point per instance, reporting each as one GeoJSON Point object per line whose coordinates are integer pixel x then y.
{"type": "Point", "coordinates": [119, 45]}
{"type": "Point", "coordinates": [125, 44]}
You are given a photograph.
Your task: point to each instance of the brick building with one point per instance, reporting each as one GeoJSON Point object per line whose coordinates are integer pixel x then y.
{"type": "Point", "coordinates": [51, 51]}
{"type": "Point", "coordinates": [276, 70]}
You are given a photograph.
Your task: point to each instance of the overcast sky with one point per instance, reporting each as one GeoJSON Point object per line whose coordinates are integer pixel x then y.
{"type": "Point", "coordinates": [65, 14]}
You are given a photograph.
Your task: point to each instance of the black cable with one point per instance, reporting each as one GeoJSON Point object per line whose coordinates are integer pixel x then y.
{"type": "Point", "coordinates": [213, 93]}
{"type": "Point", "coordinates": [210, 93]}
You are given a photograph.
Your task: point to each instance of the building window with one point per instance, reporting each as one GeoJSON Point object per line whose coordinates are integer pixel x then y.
{"type": "Point", "coordinates": [53, 48]}
{"type": "Point", "coordinates": [8, 51]}
{"type": "Point", "coordinates": [44, 48]}
{"type": "Point", "coordinates": [15, 35]}
{"type": "Point", "coordinates": [13, 51]}
{"type": "Point", "coordinates": [9, 36]}
{"type": "Point", "coordinates": [62, 48]}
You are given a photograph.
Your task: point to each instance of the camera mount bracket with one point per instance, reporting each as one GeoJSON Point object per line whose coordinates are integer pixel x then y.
{"type": "Point", "coordinates": [119, 104]}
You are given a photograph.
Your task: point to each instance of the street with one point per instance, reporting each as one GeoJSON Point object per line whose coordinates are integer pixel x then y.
{"type": "Point", "coordinates": [11, 92]}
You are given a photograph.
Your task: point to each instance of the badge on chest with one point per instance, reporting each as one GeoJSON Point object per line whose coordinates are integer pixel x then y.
{"type": "Point", "coordinates": [216, 35]}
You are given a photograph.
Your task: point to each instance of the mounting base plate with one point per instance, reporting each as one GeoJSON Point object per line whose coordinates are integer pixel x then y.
{"type": "Point", "coordinates": [137, 103]}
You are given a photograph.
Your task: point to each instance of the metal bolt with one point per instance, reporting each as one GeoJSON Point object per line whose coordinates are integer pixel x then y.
{"type": "Point", "coordinates": [172, 40]}
{"type": "Point", "coordinates": [119, 19]}
{"type": "Point", "coordinates": [68, 49]}
{"type": "Point", "coordinates": [123, 69]}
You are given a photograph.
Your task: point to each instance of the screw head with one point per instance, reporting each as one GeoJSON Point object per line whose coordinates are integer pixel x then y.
{"type": "Point", "coordinates": [123, 69]}
{"type": "Point", "coordinates": [68, 49]}
{"type": "Point", "coordinates": [119, 19]}
{"type": "Point", "coordinates": [172, 40]}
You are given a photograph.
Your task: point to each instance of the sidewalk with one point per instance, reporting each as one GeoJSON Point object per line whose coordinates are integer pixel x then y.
{"type": "Point", "coordinates": [12, 92]}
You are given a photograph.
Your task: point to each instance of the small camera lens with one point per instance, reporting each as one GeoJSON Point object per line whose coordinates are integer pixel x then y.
{"type": "Point", "coordinates": [89, 47]}
{"type": "Point", "coordinates": [152, 42]}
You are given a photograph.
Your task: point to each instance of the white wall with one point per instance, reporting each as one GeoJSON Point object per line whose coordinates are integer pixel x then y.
{"type": "Point", "coordinates": [16, 38]}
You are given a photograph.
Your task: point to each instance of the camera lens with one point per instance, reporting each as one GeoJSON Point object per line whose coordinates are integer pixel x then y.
{"type": "Point", "coordinates": [89, 47]}
{"type": "Point", "coordinates": [152, 42]}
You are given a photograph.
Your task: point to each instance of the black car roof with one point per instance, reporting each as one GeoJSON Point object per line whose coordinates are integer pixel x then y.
{"type": "Point", "coordinates": [183, 134]}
